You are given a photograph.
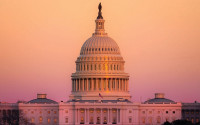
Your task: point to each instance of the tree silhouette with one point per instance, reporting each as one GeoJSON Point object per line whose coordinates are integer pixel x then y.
{"type": "Point", "coordinates": [167, 123]}
{"type": "Point", "coordinates": [13, 117]}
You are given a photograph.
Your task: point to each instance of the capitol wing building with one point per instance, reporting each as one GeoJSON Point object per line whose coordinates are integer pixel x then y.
{"type": "Point", "coordinates": [100, 93]}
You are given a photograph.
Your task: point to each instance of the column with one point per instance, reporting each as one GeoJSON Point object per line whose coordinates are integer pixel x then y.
{"type": "Point", "coordinates": [72, 85]}
{"type": "Point", "coordinates": [83, 85]}
{"type": "Point", "coordinates": [88, 119]}
{"type": "Point", "coordinates": [108, 119]}
{"type": "Point", "coordinates": [122, 85]}
{"type": "Point", "coordinates": [111, 84]}
{"type": "Point", "coordinates": [115, 84]}
{"type": "Point", "coordinates": [127, 84]}
{"type": "Point", "coordinates": [92, 84]}
{"type": "Point", "coordinates": [117, 116]}
{"type": "Point", "coordinates": [106, 84]}
{"type": "Point", "coordinates": [77, 116]}
{"type": "Point", "coordinates": [111, 116]}
{"type": "Point", "coordinates": [79, 84]}
{"type": "Point", "coordinates": [120, 89]}
{"type": "Point", "coordinates": [94, 118]}
{"type": "Point", "coordinates": [101, 121]}
{"type": "Point", "coordinates": [85, 117]}
{"type": "Point", "coordinates": [102, 84]}
{"type": "Point", "coordinates": [97, 84]}
{"type": "Point", "coordinates": [87, 83]}
{"type": "Point", "coordinates": [76, 84]}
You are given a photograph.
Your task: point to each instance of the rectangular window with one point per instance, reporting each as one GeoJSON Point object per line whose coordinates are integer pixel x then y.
{"type": "Point", "coordinates": [143, 120]}
{"type": "Point", "coordinates": [32, 120]}
{"type": "Point", "coordinates": [40, 119]}
{"type": "Point", "coordinates": [48, 120]}
{"type": "Point", "coordinates": [66, 120]}
{"type": "Point", "coordinates": [55, 120]}
{"type": "Point", "coordinates": [130, 120]}
{"type": "Point", "coordinates": [197, 120]}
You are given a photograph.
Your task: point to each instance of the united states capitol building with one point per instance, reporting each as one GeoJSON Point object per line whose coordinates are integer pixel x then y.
{"type": "Point", "coordinates": [100, 94]}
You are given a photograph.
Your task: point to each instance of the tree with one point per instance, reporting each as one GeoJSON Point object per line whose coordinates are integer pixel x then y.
{"type": "Point", "coordinates": [13, 117]}
{"type": "Point", "coordinates": [167, 123]}
{"type": "Point", "coordinates": [182, 122]}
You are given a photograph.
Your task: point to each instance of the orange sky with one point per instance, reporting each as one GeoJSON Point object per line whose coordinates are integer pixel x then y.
{"type": "Point", "coordinates": [40, 41]}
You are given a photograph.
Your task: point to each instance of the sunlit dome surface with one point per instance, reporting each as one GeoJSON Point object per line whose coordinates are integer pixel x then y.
{"type": "Point", "coordinates": [100, 45]}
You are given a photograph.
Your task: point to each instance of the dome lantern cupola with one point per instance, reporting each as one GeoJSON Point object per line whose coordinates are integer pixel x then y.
{"type": "Point", "coordinates": [99, 31]}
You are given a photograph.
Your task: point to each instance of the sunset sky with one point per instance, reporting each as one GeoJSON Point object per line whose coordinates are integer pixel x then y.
{"type": "Point", "coordinates": [41, 39]}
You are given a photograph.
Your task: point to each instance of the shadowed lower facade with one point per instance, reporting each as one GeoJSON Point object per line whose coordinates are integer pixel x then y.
{"type": "Point", "coordinates": [100, 93]}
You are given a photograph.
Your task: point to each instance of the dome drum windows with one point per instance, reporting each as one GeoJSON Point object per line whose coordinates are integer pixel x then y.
{"type": "Point", "coordinates": [92, 50]}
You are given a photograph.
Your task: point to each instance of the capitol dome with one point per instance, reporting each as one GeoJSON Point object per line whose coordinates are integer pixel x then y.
{"type": "Point", "coordinates": [100, 68]}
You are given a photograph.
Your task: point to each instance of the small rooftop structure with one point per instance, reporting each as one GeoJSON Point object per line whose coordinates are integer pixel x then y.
{"type": "Point", "coordinates": [41, 99]}
{"type": "Point", "coordinates": [159, 98]}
